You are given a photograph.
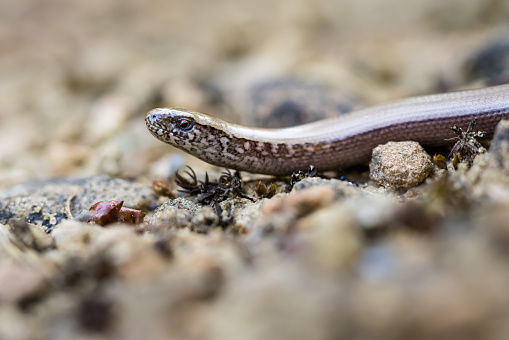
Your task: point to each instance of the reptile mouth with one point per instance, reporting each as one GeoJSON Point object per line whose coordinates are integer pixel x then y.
{"type": "Point", "coordinates": [156, 131]}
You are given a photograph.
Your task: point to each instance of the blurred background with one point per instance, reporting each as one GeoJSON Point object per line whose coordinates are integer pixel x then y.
{"type": "Point", "coordinates": [76, 78]}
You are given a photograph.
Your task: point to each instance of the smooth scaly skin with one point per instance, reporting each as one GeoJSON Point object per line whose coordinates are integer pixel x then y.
{"type": "Point", "coordinates": [331, 143]}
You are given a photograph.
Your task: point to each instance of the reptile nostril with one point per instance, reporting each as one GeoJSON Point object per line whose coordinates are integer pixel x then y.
{"type": "Point", "coordinates": [152, 117]}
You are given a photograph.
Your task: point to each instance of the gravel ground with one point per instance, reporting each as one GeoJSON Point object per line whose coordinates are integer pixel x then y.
{"type": "Point", "coordinates": [421, 253]}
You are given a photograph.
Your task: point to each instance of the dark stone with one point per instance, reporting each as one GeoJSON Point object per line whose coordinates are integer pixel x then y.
{"type": "Point", "coordinates": [289, 102]}
{"type": "Point", "coordinates": [491, 63]}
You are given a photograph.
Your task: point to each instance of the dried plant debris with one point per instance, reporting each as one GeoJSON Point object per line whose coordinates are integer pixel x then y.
{"type": "Point", "coordinates": [264, 191]}
{"type": "Point", "coordinates": [440, 161]}
{"type": "Point", "coordinates": [210, 192]}
{"type": "Point", "coordinates": [107, 212]}
{"type": "Point", "coordinates": [299, 175]}
{"type": "Point", "coordinates": [162, 188]}
{"type": "Point", "coordinates": [467, 146]}
{"type": "Point", "coordinates": [456, 160]}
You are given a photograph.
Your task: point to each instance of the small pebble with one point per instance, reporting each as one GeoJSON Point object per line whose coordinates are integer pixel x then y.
{"type": "Point", "coordinates": [204, 220]}
{"type": "Point", "coordinates": [174, 213]}
{"type": "Point", "coordinates": [399, 165]}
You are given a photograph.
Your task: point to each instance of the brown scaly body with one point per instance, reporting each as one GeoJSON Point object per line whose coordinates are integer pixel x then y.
{"type": "Point", "coordinates": [332, 143]}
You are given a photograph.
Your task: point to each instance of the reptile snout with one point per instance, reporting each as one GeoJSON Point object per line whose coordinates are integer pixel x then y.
{"type": "Point", "coordinates": [154, 117]}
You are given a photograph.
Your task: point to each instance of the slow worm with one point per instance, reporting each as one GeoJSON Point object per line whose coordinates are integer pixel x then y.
{"type": "Point", "coordinates": [331, 143]}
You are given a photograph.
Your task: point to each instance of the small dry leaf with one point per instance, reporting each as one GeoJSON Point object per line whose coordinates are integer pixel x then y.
{"type": "Point", "coordinates": [263, 191]}
{"type": "Point", "coordinates": [107, 212]}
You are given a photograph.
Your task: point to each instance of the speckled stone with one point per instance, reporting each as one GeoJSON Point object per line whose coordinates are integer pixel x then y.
{"type": "Point", "coordinates": [205, 220]}
{"type": "Point", "coordinates": [399, 165]}
{"type": "Point", "coordinates": [174, 213]}
{"type": "Point", "coordinates": [44, 202]}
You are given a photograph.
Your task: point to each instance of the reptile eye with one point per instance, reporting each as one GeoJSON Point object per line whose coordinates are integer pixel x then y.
{"type": "Point", "coordinates": [185, 124]}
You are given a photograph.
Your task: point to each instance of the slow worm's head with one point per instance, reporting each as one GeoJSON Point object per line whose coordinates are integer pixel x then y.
{"type": "Point", "coordinates": [196, 133]}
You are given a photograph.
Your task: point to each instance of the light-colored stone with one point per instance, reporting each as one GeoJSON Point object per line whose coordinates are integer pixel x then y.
{"type": "Point", "coordinates": [399, 165]}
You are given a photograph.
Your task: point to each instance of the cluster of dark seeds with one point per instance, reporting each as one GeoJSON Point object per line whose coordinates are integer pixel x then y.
{"type": "Point", "coordinates": [209, 192]}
